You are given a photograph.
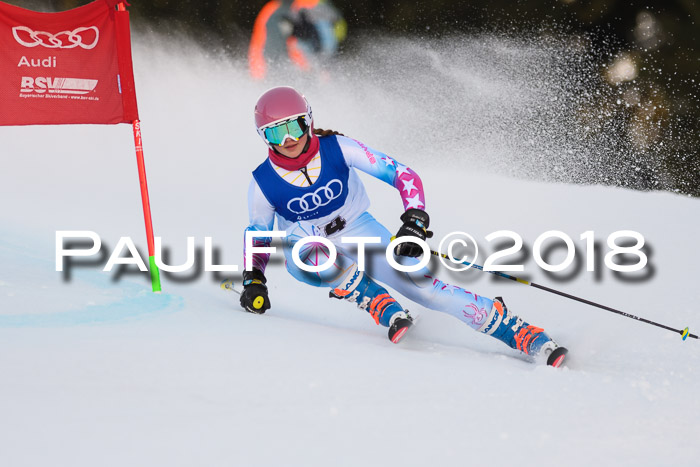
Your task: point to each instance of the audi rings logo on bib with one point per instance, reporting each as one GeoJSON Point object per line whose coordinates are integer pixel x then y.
{"type": "Point", "coordinates": [321, 197]}
{"type": "Point", "coordinates": [85, 38]}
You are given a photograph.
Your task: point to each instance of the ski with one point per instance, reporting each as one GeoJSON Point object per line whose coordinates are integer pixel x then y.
{"type": "Point", "coordinates": [400, 327]}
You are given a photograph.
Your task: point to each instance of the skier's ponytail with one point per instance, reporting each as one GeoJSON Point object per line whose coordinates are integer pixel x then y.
{"type": "Point", "coordinates": [322, 132]}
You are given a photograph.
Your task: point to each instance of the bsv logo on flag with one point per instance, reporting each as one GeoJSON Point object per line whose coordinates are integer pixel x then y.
{"type": "Point", "coordinates": [57, 85]}
{"type": "Point", "coordinates": [321, 197]}
{"type": "Point", "coordinates": [85, 38]}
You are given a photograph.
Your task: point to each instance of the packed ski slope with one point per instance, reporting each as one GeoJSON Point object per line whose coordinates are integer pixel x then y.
{"type": "Point", "coordinates": [96, 370]}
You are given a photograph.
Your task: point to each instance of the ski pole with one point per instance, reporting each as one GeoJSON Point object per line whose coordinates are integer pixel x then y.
{"type": "Point", "coordinates": [227, 284]}
{"type": "Point", "coordinates": [685, 333]}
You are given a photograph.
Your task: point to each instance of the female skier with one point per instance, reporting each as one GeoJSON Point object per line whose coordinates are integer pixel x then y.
{"type": "Point", "coordinates": [308, 183]}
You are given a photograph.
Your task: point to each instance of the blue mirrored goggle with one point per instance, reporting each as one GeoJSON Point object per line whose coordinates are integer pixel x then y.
{"type": "Point", "coordinates": [293, 129]}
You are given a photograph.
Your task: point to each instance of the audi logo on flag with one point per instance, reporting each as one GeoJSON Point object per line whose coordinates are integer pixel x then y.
{"type": "Point", "coordinates": [321, 197]}
{"type": "Point", "coordinates": [85, 38]}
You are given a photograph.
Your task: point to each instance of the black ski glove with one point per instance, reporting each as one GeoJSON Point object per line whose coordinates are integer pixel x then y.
{"type": "Point", "coordinates": [254, 297]}
{"type": "Point", "coordinates": [415, 224]}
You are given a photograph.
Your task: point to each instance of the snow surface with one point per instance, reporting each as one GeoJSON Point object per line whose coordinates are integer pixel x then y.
{"type": "Point", "coordinates": [97, 370]}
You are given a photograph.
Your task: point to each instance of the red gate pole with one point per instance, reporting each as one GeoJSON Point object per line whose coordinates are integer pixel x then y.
{"type": "Point", "coordinates": [138, 145]}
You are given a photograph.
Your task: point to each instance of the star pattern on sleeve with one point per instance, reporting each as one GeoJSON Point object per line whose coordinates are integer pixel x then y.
{"type": "Point", "coordinates": [414, 202]}
{"type": "Point", "coordinates": [401, 169]}
{"type": "Point", "coordinates": [408, 186]}
{"type": "Point", "coordinates": [389, 161]}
